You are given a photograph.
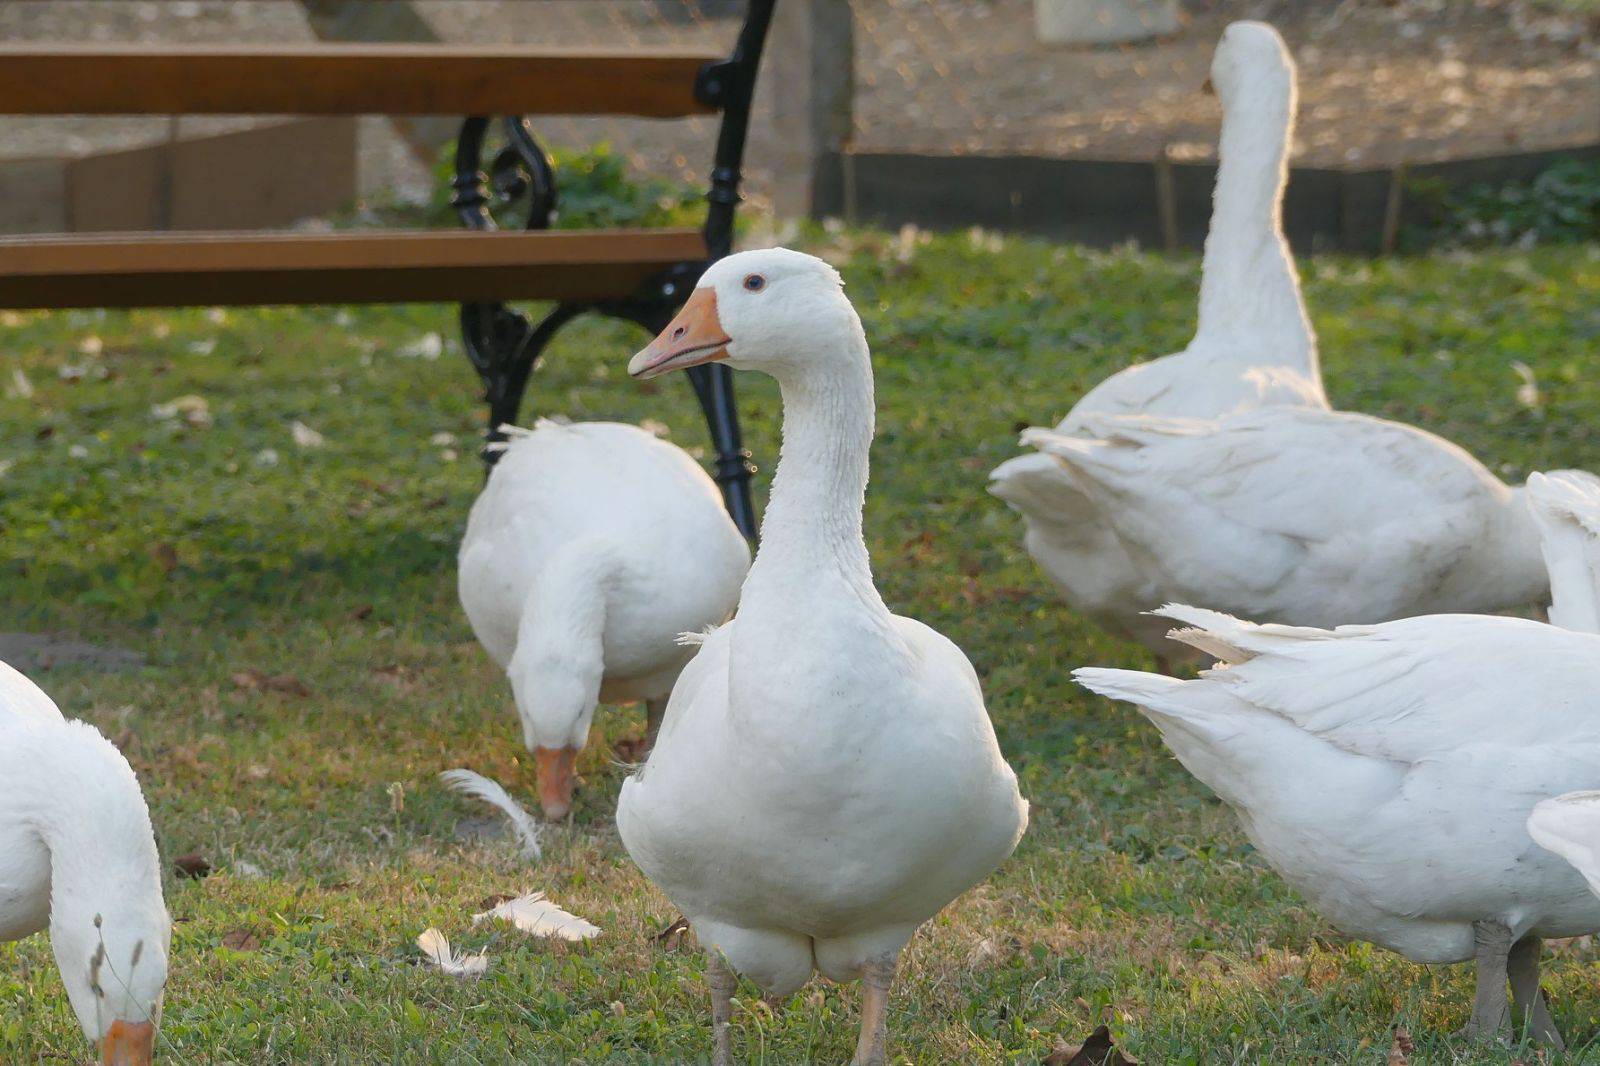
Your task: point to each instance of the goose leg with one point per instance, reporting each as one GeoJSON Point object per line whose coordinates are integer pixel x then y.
{"type": "Point", "coordinates": [1489, 1007]}
{"type": "Point", "coordinates": [654, 711]}
{"type": "Point", "coordinates": [876, 977]}
{"type": "Point", "coordinates": [1532, 1008]}
{"type": "Point", "coordinates": [723, 982]}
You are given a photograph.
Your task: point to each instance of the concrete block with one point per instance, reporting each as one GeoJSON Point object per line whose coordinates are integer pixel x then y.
{"type": "Point", "coordinates": [1103, 21]}
{"type": "Point", "coordinates": [33, 196]}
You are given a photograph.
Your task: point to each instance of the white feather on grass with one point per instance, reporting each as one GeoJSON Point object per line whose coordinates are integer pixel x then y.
{"type": "Point", "coordinates": [538, 916]}
{"type": "Point", "coordinates": [436, 949]}
{"type": "Point", "coordinates": [479, 787]}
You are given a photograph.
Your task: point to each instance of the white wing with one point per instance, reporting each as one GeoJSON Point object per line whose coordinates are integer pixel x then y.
{"type": "Point", "coordinates": [1414, 689]}
{"type": "Point", "coordinates": [1569, 825]}
{"type": "Point", "coordinates": [1566, 505]}
{"type": "Point", "coordinates": [1233, 512]}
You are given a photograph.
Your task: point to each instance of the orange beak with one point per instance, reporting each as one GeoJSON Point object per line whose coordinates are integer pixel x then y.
{"type": "Point", "coordinates": [555, 770]}
{"type": "Point", "coordinates": [696, 336]}
{"type": "Point", "coordinates": [128, 1044]}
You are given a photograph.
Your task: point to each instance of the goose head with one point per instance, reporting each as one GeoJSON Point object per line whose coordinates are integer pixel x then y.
{"type": "Point", "coordinates": [1251, 65]}
{"type": "Point", "coordinates": [109, 928]}
{"type": "Point", "coordinates": [774, 310]}
{"type": "Point", "coordinates": [556, 703]}
{"type": "Point", "coordinates": [112, 954]}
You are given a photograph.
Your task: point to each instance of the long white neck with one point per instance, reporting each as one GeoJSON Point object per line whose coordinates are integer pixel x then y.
{"type": "Point", "coordinates": [1249, 293]}
{"type": "Point", "coordinates": [811, 541]}
{"type": "Point", "coordinates": [72, 788]}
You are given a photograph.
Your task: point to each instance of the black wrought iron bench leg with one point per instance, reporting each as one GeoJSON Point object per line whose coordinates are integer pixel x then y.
{"type": "Point", "coordinates": [713, 385]}
{"type": "Point", "coordinates": [504, 348]}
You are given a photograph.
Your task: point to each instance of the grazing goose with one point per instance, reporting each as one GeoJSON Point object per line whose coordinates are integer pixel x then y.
{"type": "Point", "coordinates": [1254, 345]}
{"type": "Point", "coordinates": [826, 778]}
{"type": "Point", "coordinates": [1388, 771]}
{"type": "Point", "coordinates": [77, 855]}
{"type": "Point", "coordinates": [592, 547]}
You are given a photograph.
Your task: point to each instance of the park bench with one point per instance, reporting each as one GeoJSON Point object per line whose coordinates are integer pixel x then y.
{"type": "Point", "coordinates": [641, 276]}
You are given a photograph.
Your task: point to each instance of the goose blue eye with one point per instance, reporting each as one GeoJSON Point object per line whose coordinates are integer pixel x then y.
{"type": "Point", "coordinates": [755, 282]}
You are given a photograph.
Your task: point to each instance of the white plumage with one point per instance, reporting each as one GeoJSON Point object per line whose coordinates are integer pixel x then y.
{"type": "Point", "coordinates": [591, 548]}
{"type": "Point", "coordinates": [77, 856]}
{"type": "Point", "coordinates": [490, 791]}
{"type": "Point", "coordinates": [1388, 771]}
{"type": "Point", "coordinates": [826, 778]}
{"type": "Point", "coordinates": [1253, 346]}
{"type": "Point", "coordinates": [1308, 516]}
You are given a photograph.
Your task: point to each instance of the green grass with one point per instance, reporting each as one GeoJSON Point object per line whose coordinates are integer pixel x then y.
{"type": "Point", "coordinates": [1134, 899]}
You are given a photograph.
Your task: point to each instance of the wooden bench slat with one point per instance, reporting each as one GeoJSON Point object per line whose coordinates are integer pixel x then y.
{"type": "Point", "coordinates": [346, 79]}
{"type": "Point", "coordinates": [251, 269]}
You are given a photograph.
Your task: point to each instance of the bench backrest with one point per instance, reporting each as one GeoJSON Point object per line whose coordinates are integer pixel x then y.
{"type": "Point", "coordinates": [347, 79]}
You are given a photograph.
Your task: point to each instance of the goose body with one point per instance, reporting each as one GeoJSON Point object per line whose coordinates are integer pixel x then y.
{"type": "Point", "coordinates": [826, 778]}
{"type": "Point", "coordinates": [1309, 516]}
{"type": "Point", "coordinates": [1254, 346]}
{"type": "Point", "coordinates": [1388, 771]}
{"type": "Point", "coordinates": [593, 546]}
{"type": "Point", "coordinates": [78, 857]}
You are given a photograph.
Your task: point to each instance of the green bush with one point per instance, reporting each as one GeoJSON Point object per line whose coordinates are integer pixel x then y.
{"type": "Point", "coordinates": [593, 189]}
{"type": "Point", "coordinates": [1561, 205]}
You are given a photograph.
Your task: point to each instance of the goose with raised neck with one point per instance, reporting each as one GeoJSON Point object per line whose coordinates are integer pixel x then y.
{"type": "Point", "coordinates": [78, 857]}
{"type": "Point", "coordinates": [826, 778]}
{"type": "Point", "coordinates": [1253, 346]}
{"type": "Point", "coordinates": [591, 548]}
{"type": "Point", "coordinates": [1251, 310]}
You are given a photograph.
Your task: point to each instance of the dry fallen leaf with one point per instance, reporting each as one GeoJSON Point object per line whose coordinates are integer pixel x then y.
{"type": "Point", "coordinates": [240, 940]}
{"type": "Point", "coordinates": [165, 556]}
{"type": "Point", "coordinates": [1401, 1047]}
{"type": "Point", "coordinates": [305, 436]}
{"type": "Point", "coordinates": [1098, 1050]}
{"type": "Point", "coordinates": [670, 937]}
{"type": "Point", "coordinates": [191, 408]}
{"type": "Point", "coordinates": [256, 681]}
{"type": "Point", "coordinates": [436, 949]}
{"type": "Point", "coordinates": [1528, 395]}
{"type": "Point", "coordinates": [401, 677]}
{"type": "Point", "coordinates": [630, 750]}
{"type": "Point", "coordinates": [429, 346]}
{"type": "Point", "coordinates": [193, 866]}
{"type": "Point", "coordinates": [538, 916]}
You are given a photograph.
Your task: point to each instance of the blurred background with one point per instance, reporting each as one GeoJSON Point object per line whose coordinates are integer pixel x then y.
{"type": "Point", "coordinates": [1420, 120]}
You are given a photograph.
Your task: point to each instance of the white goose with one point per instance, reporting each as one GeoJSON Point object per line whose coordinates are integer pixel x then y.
{"type": "Point", "coordinates": [827, 777]}
{"type": "Point", "coordinates": [1310, 517]}
{"type": "Point", "coordinates": [1388, 771]}
{"type": "Point", "coordinates": [1254, 345]}
{"type": "Point", "coordinates": [77, 855]}
{"type": "Point", "coordinates": [593, 546]}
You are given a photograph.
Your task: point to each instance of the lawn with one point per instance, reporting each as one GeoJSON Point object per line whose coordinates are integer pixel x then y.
{"type": "Point", "coordinates": [230, 555]}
